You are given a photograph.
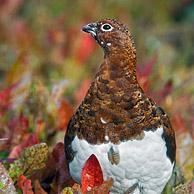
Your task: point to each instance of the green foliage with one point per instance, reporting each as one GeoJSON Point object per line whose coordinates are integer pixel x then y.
{"type": "Point", "coordinates": [67, 190]}
{"type": "Point", "coordinates": [4, 154]}
{"type": "Point", "coordinates": [1, 186]}
{"type": "Point", "coordinates": [15, 170]}
{"type": "Point", "coordinates": [33, 158]}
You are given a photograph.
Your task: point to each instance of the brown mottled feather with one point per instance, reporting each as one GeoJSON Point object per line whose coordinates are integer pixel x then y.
{"type": "Point", "coordinates": [116, 97]}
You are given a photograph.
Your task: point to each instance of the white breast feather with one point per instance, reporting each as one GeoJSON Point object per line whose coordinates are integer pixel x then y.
{"type": "Point", "coordinates": [142, 161]}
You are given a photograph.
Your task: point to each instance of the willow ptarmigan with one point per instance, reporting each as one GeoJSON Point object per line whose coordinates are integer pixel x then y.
{"type": "Point", "coordinates": [129, 134]}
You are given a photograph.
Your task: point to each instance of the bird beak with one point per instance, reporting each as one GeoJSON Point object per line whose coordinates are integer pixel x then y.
{"type": "Point", "coordinates": [90, 28]}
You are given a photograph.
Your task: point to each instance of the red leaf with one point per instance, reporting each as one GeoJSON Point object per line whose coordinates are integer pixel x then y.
{"type": "Point", "coordinates": [19, 33]}
{"type": "Point", "coordinates": [18, 127]}
{"type": "Point", "coordinates": [7, 7]}
{"type": "Point", "coordinates": [179, 123]}
{"type": "Point", "coordinates": [163, 92]}
{"type": "Point", "coordinates": [58, 152]}
{"type": "Point", "coordinates": [192, 129]}
{"type": "Point", "coordinates": [5, 98]}
{"type": "Point", "coordinates": [82, 90]}
{"type": "Point", "coordinates": [56, 36]}
{"type": "Point", "coordinates": [144, 82]}
{"type": "Point", "coordinates": [65, 112]}
{"type": "Point", "coordinates": [30, 140]}
{"type": "Point", "coordinates": [166, 90]}
{"type": "Point", "coordinates": [61, 174]}
{"type": "Point", "coordinates": [40, 125]}
{"type": "Point", "coordinates": [91, 174]}
{"type": "Point", "coordinates": [19, 124]}
{"type": "Point", "coordinates": [85, 49]}
{"type": "Point", "coordinates": [147, 68]}
{"type": "Point", "coordinates": [25, 185]}
{"type": "Point", "coordinates": [38, 189]}
{"type": "Point", "coordinates": [192, 186]}
{"type": "Point", "coordinates": [144, 71]}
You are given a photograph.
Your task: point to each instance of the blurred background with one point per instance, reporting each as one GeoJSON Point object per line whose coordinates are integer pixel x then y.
{"type": "Point", "coordinates": [47, 64]}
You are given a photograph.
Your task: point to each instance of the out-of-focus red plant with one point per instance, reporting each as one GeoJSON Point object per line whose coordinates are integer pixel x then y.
{"type": "Point", "coordinates": [82, 90]}
{"type": "Point", "coordinates": [7, 7]}
{"type": "Point", "coordinates": [179, 123]}
{"type": "Point", "coordinates": [28, 140]}
{"type": "Point", "coordinates": [25, 185]}
{"type": "Point", "coordinates": [61, 167]}
{"type": "Point", "coordinates": [65, 112]}
{"type": "Point", "coordinates": [192, 129]}
{"type": "Point", "coordinates": [5, 98]}
{"type": "Point", "coordinates": [85, 49]}
{"type": "Point", "coordinates": [38, 189]}
{"type": "Point", "coordinates": [143, 73]}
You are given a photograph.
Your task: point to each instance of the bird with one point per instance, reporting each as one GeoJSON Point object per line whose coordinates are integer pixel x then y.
{"type": "Point", "coordinates": [126, 130]}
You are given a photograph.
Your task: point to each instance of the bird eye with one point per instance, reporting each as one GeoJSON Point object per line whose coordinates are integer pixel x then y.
{"type": "Point", "coordinates": [106, 27]}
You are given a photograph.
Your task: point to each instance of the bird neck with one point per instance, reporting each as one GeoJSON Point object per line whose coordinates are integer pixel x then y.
{"type": "Point", "coordinates": [122, 61]}
{"type": "Point", "coordinates": [117, 79]}
{"type": "Point", "coordinates": [119, 67]}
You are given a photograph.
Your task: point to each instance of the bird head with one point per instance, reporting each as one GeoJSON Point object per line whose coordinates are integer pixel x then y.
{"type": "Point", "coordinates": [113, 36]}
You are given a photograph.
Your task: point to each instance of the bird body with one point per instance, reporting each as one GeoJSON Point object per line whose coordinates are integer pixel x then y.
{"type": "Point", "coordinates": [129, 134]}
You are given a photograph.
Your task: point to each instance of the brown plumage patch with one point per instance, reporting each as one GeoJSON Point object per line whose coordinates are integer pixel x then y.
{"type": "Point", "coordinates": [115, 105]}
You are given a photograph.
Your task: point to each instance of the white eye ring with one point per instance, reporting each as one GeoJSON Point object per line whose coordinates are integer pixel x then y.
{"type": "Point", "coordinates": [106, 27]}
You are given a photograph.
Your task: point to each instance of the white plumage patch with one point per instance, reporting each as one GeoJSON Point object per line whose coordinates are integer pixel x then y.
{"type": "Point", "coordinates": [143, 161]}
{"type": "Point", "coordinates": [102, 120]}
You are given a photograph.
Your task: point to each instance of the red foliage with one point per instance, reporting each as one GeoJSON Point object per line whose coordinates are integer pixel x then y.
{"type": "Point", "coordinates": [164, 91]}
{"type": "Point", "coordinates": [61, 174]}
{"type": "Point", "coordinates": [25, 185]}
{"type": "Point", "coordinates": [38, 189]}
{"type": "Point", "coordinates": [192, 128]}
{"type": "Point", "coordinates": [85, 49]}
{"type": "Point", "coordinates": [19, 33]}
{"type": "Point", "coordinates": [192, 187]}
{"type": "Point", "coordinates": [81, 92]}
{"type": "Point", "coordinates": [143, 73]}
{"type": "Point", "coordinates": [31, 139]}
{"type": "Point", "coordinates": [167, 89]}
{"type": "Point", "coordinates": [8, 6]}
{"type": "Point", "coordinates": [40, 125]}
{"type": "Point", "coordinates": [19, 124]}
{"type": "Point", "coordinates": [5, 96]}
{"type": "Point", "coordinates": [179, 123]}
{"type": "Point", "coordinates": [18, 134]}
{"type": "Point", "coordinates": [58, 151]}
{"type": "Point", "coordinates": [56, 36]}
{"type": "Point", "coordinates": [91, 174]}
{"type": "Point", "coordinates": [65, 112]}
